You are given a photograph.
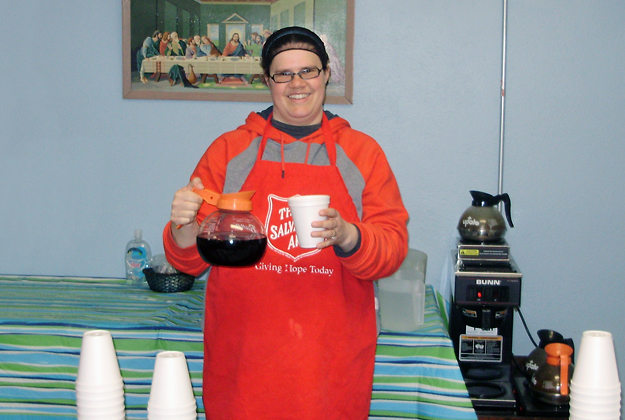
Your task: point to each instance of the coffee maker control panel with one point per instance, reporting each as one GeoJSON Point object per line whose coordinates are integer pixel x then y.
{"type": "Point", "coordinates": [488, 292]}
{"type": "Point", "coordinates": [479, 285]}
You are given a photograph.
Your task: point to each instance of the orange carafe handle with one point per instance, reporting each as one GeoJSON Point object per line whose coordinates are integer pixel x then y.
{"type": "Point", "coordinates": [564, 374]}
{"type": "Point", "coordinates": [235, 201]}
{"type": "Point", "coordinates": [241, 200]}
{"type": "Point", "coordinates": [209, 196]}
{"type": "Point", "coordinates": [559, 353]}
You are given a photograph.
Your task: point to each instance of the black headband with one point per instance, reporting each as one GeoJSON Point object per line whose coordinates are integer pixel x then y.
{"type": "Point", "coordinates": [309, 35]}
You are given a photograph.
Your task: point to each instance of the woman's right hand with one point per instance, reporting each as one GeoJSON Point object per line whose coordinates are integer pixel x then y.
{"type": "Point", "coordinates": [184, 210]}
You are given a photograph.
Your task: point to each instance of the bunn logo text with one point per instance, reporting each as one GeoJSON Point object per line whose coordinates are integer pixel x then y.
{"type": "Point", "coordinates": [488, 282]}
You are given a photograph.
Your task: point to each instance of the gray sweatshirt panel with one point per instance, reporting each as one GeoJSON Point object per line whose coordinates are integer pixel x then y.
{"type": "Point", "coordinates": [240, 166]}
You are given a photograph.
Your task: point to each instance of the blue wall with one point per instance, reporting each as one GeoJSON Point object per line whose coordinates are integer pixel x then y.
{"type": "Point", "coordinates": [81, 167]}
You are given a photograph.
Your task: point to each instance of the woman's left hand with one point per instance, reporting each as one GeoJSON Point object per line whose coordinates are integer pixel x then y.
{"type": "Point", "coordinates": [336, 231]}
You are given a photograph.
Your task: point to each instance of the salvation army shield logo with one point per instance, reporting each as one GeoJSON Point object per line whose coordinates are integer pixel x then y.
{"type": "Point", "coordinates": [281, 230]}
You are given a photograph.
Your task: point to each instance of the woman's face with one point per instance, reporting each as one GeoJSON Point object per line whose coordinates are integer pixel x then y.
{"type": "Point", "coordinates": [298, 102]}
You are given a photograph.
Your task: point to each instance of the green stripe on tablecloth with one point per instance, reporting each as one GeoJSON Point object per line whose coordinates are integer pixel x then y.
{"type": "Point", "coordinates": [407, 351]}
{"type": "Point", "coordinates": [447, 385]}
{"type": "Point", "coordinates": [423, 397]}
{"type": "Point", "coordinates": [39, 369]}
{"type": "Point", "coordinates": [443, 308]}
{"type": "Point", "coordinates": [40, 384]}
{"type": "Point", "coordinates": [122, 345]}
{"type": "Point", "coordinates": [38, 340]}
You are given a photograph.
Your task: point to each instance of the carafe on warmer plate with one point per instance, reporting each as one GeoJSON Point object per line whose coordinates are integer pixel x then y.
{"type": "Point", "coordinates": [538, 356]}
{"type": "Point", "coordinates": [550, 384]}
{"type": "Point", "coordinates": [482, 222]}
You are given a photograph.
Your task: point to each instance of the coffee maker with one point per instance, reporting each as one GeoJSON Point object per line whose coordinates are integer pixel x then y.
{"type": "Point", "coordinates": [486, 291]}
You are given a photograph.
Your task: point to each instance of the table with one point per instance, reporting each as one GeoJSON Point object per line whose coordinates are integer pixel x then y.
{"type": "Point", "coordinates": [42, 320]}
{"type": "Point", "coordinates": [205, 65]}
{"type": "Point", "coordinates": [416, 374]}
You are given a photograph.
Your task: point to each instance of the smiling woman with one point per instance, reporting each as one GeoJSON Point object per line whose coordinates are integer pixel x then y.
{"type": "Point", "coordinates": [293, 59]}
{"type": "Point", "coordinates": [298, 101]}
{"type": "Point", "coordinates": [296, 332]}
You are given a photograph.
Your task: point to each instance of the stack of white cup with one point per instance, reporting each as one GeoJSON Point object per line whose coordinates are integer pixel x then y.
{"type": "Point", "coordinates": [595, 387]}
{"type": "Point", "coordinates": [171, 396]}
{"type": "Point", "coordinates": [99, 385]}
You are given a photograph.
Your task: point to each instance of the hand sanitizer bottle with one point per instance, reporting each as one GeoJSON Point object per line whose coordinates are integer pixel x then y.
{"type": "Point", "coordinates": [138, 255]}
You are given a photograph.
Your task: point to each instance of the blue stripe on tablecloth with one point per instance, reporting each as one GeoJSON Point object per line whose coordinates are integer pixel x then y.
{"type": "Point", "coordinates": [31, 412]}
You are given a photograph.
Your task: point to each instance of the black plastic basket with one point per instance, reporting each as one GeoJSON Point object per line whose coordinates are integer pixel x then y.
{"type": "Point", "coordinates": [168, 283]}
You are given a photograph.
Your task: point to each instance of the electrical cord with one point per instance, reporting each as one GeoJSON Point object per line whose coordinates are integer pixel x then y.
{"type": "Point", "coordinates": [518, 367]}
{"type": "Point", "coordinates": [529, 334]}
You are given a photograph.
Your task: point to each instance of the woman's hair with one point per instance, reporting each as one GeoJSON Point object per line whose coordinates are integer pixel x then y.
{"type": "Point", "coordinates": [293, 38]}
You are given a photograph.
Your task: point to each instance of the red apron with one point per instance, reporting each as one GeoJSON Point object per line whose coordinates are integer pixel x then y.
{"type": "Point", "coordinates": [294, 336]}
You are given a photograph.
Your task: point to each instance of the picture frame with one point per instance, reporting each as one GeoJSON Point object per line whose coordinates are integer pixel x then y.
{"type": "Point", "coordinates": [158, 69]}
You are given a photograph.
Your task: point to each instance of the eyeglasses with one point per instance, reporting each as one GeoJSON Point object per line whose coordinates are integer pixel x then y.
{"type": "Point", "coordinates": [304, 74]}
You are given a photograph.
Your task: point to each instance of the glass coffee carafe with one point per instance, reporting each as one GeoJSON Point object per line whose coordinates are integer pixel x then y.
{"type": "Point", "coordinates": [231, 236]}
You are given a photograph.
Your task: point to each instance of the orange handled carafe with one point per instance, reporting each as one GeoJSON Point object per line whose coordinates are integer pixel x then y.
{"type": "Point", "coordinates": [231, 236]}
{"type": "Point", "coordinates": [550, 383]}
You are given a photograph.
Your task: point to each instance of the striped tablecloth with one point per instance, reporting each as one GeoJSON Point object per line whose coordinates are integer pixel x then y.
{"type": "Point", "coordinates": [42, 320]}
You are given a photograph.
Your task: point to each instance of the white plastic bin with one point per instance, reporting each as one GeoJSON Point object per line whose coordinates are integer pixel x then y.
{"type": "Point", "coordinates": [417, 260]}
{"type": "Point", "coordinates": [402, 296]}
